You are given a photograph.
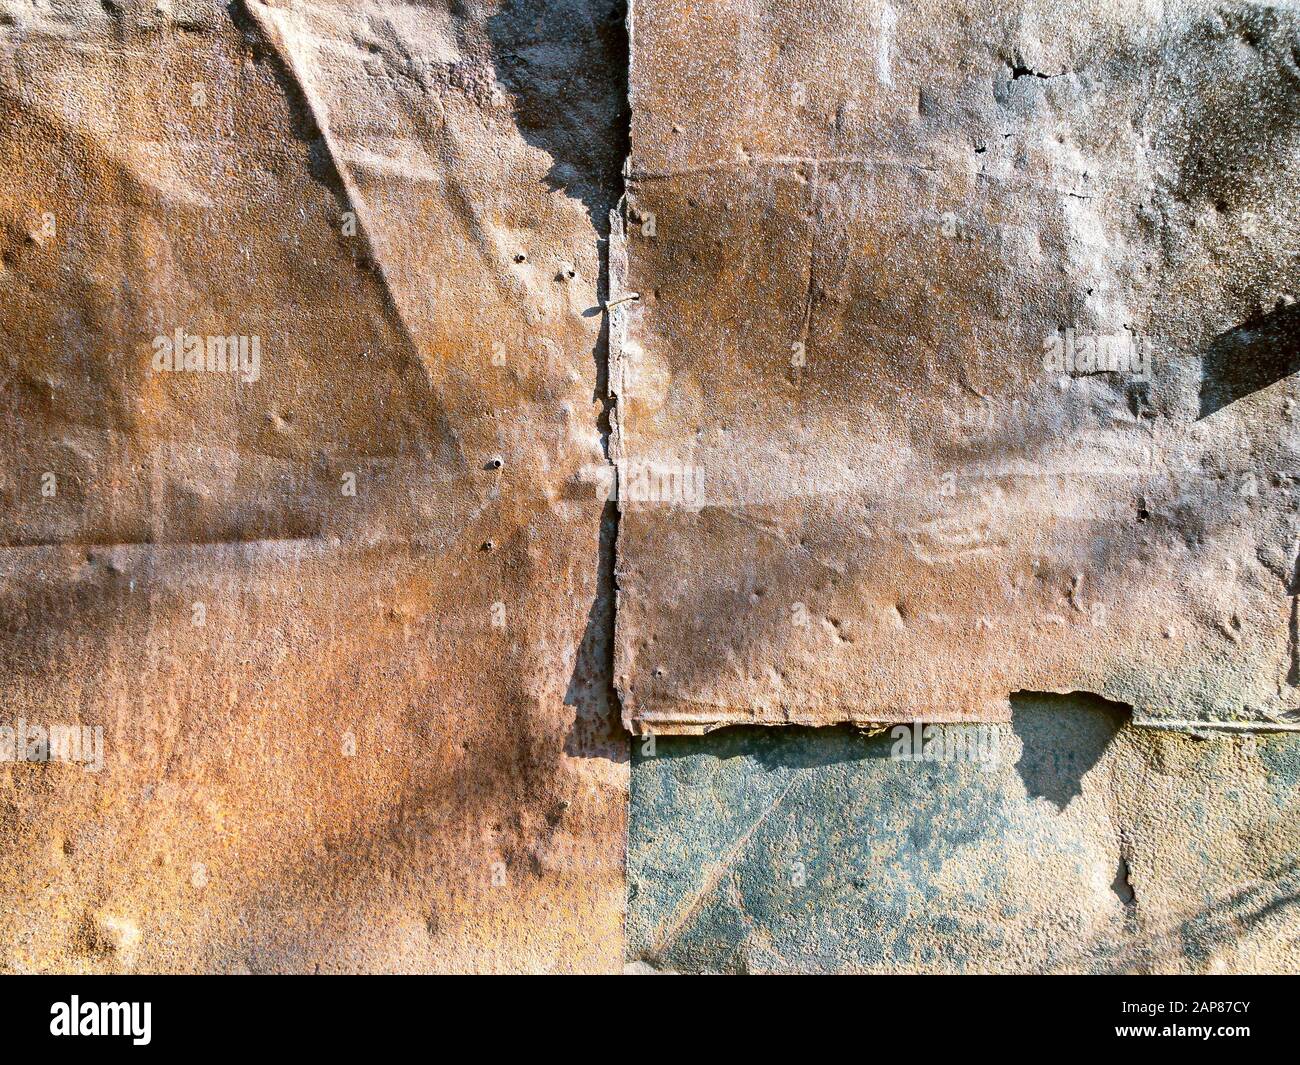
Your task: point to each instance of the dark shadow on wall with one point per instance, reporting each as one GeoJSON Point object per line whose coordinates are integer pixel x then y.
{"type": "Point", "coordinates": [1201, 936]}
{"type": "Point", "coordinates": [1252, 356]}
{"type": "Point", "coordinates": [775, 747]}
{"type": "Point", "coordinates": [1222, 924]}
{"type": "Point", "coordinates": [597, 730]}
{"type": "Point", "coordinates": [1293, 592]}
{"type": "Point", "coordinates": [1063, 736]}
{"type": "Point", "coordinates": [563, 65]}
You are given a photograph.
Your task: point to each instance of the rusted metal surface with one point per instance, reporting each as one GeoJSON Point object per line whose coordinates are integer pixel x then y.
{"type": "Point", "coordinates": [338, 615]}
{"type": "Point", "coordinates": [874, 468]}
{"type": "Point", "coordinates": [307, 573]}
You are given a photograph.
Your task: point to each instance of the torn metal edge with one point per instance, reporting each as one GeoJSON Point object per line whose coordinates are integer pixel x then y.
{"type": "Point", "coordinates": [618, 321]}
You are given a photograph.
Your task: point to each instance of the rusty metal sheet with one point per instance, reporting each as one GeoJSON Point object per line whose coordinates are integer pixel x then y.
{"type": "Point", "coordinates": [325, 600]}
{"type": "Point", "coordinates": [963, 361]}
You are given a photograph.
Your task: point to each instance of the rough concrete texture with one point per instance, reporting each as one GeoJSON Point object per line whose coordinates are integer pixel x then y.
{"type": "Point", "coordinates": [335, 616]}
{"type": "Point", "coordinates": [963, 360]}
{"type": "Point", "coordinates": [1064, 841]}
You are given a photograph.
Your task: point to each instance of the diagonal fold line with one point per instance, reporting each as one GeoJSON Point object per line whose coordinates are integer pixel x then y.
{"type": "Point", "coordinates": [688, 910]}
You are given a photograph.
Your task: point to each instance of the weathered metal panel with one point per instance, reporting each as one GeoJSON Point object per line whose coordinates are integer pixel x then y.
{"type": "Point", "coordinates": [337, 615]}
{"type": "Point", "coordinates": [963, 361]}
{"type": "Point", "coordinates": [333, 624]}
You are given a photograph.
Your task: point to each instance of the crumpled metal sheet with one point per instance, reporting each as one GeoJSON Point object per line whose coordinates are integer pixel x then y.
{"type": "Point", "coordinates": [342, 617]}
{"type": "Point", "coordinates": [855, 484]}
{"type": "Point", "coordinates": [339, 619]}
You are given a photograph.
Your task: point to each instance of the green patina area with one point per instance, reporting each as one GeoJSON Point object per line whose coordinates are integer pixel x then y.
{"type": "Point", "coordinates": [1066, 840]}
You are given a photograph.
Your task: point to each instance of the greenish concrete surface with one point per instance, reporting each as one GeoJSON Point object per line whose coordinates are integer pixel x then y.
{"type": "Point", "coordinates": [1068, 840]}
